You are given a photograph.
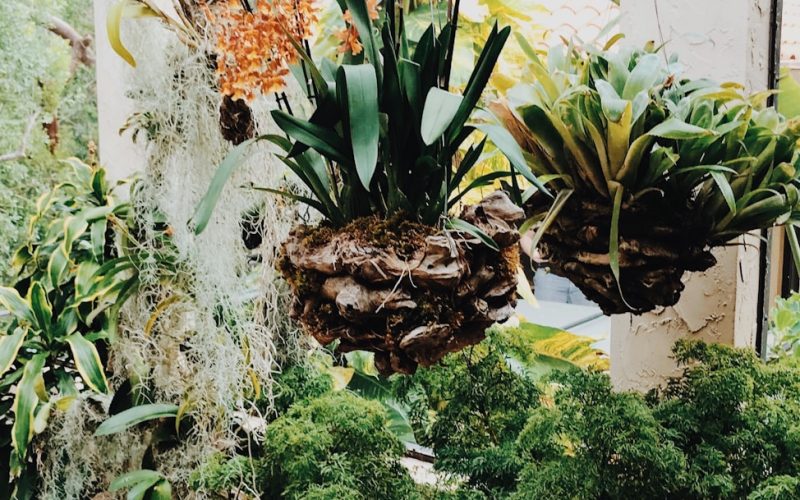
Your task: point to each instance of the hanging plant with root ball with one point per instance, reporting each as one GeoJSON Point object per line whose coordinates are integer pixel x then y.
{"type": "Point", "coordinates": [390, 269]}
{"type": "Point", "coordinates": [651, 171]}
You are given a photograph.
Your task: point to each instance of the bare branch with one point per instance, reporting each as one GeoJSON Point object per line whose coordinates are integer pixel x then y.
{"type": "Point", "coordinates": [21, 153]}
{"type": "Point", "coordinates": [82, 52]}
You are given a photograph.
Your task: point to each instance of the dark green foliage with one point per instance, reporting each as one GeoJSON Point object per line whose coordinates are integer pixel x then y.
{"type": "Point", "coordinates": [472, 407]}
{"type": "Point", "coordinates": [388, 130]}
{"type": "Point", "coordinates": [299, 383]}
{"type": "Point", "coordinates": [736, 419]}
{"type": "Point", "coordinates": [777, 488]}
{"type": "Point", "coordinates": [334, 446]}
{"type": "Point", "coordinates": [595, 443]}
{"type": "Point", "coordinates": [729, 427]}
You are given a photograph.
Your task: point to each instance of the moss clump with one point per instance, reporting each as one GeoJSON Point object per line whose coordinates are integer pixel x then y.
{"type": "Point", "coordinates": [398, 232]}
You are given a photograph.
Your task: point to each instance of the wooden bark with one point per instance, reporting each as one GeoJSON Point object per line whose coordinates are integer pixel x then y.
{"type": "Point", "coordinates": [657, 245]}
{"type": "Point", "coordinates": [409, 302]}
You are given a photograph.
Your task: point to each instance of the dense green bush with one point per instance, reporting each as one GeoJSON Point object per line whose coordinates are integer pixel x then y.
{"type": "Point", "coordinates": [592, 442]}
{"type": "Point", "coordinates": [333, 446]}
{"type": "Point", "coordinates": [44, 90]}
{"type": "Point", "coordinates": [728, 427]}
{"type": "Point", "coordinates": [470, 409]}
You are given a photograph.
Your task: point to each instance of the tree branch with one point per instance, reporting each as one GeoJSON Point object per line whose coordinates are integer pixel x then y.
{"type": "Point", "coordinates": [21, 153]}
{"type": "Point", "coordinates": [82, 52]}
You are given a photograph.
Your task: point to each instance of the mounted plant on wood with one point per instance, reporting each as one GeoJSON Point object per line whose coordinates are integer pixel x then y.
{"type": "Point", "coordinates": [252, 52]}
{"type": "Point", "coordinates": [389, 269]}
{"type": "Point", "coordinates": [651, 170]}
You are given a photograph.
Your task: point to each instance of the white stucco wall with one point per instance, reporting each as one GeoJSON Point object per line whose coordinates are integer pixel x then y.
{"type": "Point", "coordinates": [727, 40]}
{"type": "Point", "coordinates": [118, 154]}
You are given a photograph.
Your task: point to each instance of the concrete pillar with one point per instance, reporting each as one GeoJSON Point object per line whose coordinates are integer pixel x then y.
{"type": "Point", "coordinates": [118, 153]}
{"type": "Point", "coordinates": [726, 40]}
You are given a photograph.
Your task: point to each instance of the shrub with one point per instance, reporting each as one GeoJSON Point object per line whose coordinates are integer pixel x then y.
{"type": "Point", "coordinates": [470, 409]}
{"type": "Point", "coordinates": [333, 446]}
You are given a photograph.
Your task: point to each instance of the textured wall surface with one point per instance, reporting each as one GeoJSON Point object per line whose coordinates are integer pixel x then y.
{"type": "Point", "coordinates": [118, 153]}
{"type": "Point", "coordinates": [726, 40]}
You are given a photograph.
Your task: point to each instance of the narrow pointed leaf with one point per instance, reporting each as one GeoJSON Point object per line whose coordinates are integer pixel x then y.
{"type": "Point", "coordinates": [134, 416]}
{"type": "Point", "coordinates": [464, 226]}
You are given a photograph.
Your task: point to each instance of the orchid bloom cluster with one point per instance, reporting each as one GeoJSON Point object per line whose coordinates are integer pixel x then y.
{"type": "Point", "coordinates": [349, 36]}
{"type": "Point", "coordinates": [254, 50]}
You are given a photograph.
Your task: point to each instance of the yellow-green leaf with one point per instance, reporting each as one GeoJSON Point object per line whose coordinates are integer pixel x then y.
{"type": "Point", "coordinates": [118, 11]}
{"type": "Point", "coordinates": [87, 360]}
{"type": "Point", "coordinates": [16, 305]}
{"type": "Point", "coordinates": [341, 376]}
{"type": "Point", "coordinates": [40, 305]}
{"type": "Point", "coordinates": [24, 408]}
{"type": "Point", "coordinates": [57, 265]}
{"type": "Point", "coordinates": [9, 347]}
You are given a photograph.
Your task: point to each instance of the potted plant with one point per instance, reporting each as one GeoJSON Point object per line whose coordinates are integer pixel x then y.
{"type": "Point", "coordinates": [389, 269]}
{"type": "Point", "coordinates": [650, 170]}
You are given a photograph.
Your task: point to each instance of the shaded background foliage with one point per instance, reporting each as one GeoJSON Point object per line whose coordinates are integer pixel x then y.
{"type": "Point", "coordinates": [39, 84]}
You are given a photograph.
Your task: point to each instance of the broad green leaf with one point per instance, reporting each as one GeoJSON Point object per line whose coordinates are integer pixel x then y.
{"type": "Point", "coordinates": [613, 106]}
{"type": "Point", "coordinates": [323, 139]}
{"type": "Point", "coordinates": [134, 416]}
{"type": "Point", "coordinates": [74, 227]}
{"type": "Point", "coordinates": [643, 76]}
{"type": "Point", "coordinates": [40, 305]}
{"type": "Point", "coordinates": [88, 363]}
{"type": "Point", "coordinates": [360, 15]}
{"type": "Point", "coordinates": [457, 224]}
{"type": "Point", "coordinates": [130, 479]}
{"type": "Point", "coordinates": [633, 159]}
{"type": "Point", "coordinates": [24, 408]}
{"type": "Point", "coordinates": [16, 305]}
{"type": "Point", "coordinates": [84, 277]}
{"type": "Point", "coordinates": [57, 266]}
{"type": "Point", "coordinates": [98, 238]}
{"type": "Point", "coordinates": [9, 347]}
{"type": "Point", "coordinates": [358, 88]}
{"type": "Point", "coordinates": [673, 128]}
{"type": "Point", "coordinates": [440, 108]}
{"type": "Point", "coordinates": [619, 136]}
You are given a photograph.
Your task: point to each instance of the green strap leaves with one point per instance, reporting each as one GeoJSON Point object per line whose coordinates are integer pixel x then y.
{"type": "Point", "coordinates": [134, 416]}
{"type": "Point", "coordinates": [357, 89]}
{"type": "Point", "coordinates": [440, 109]}
{"type": "Point", "coordinates": [25, 403]}
{"type": "Point", "coordinates": [87, 360]}
{"type": "Point", "coordinates": [9, 347]}
{"type": "Point", "coordinates": [16, 305]}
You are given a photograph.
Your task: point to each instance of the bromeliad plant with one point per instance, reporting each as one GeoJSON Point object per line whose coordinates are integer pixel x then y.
{"type": "Point", "coordinates": [380, 157]}
{"type": "Point", "coordinates": [651, 170]}
{"type": "Point", "coordinates": [72, 279]}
